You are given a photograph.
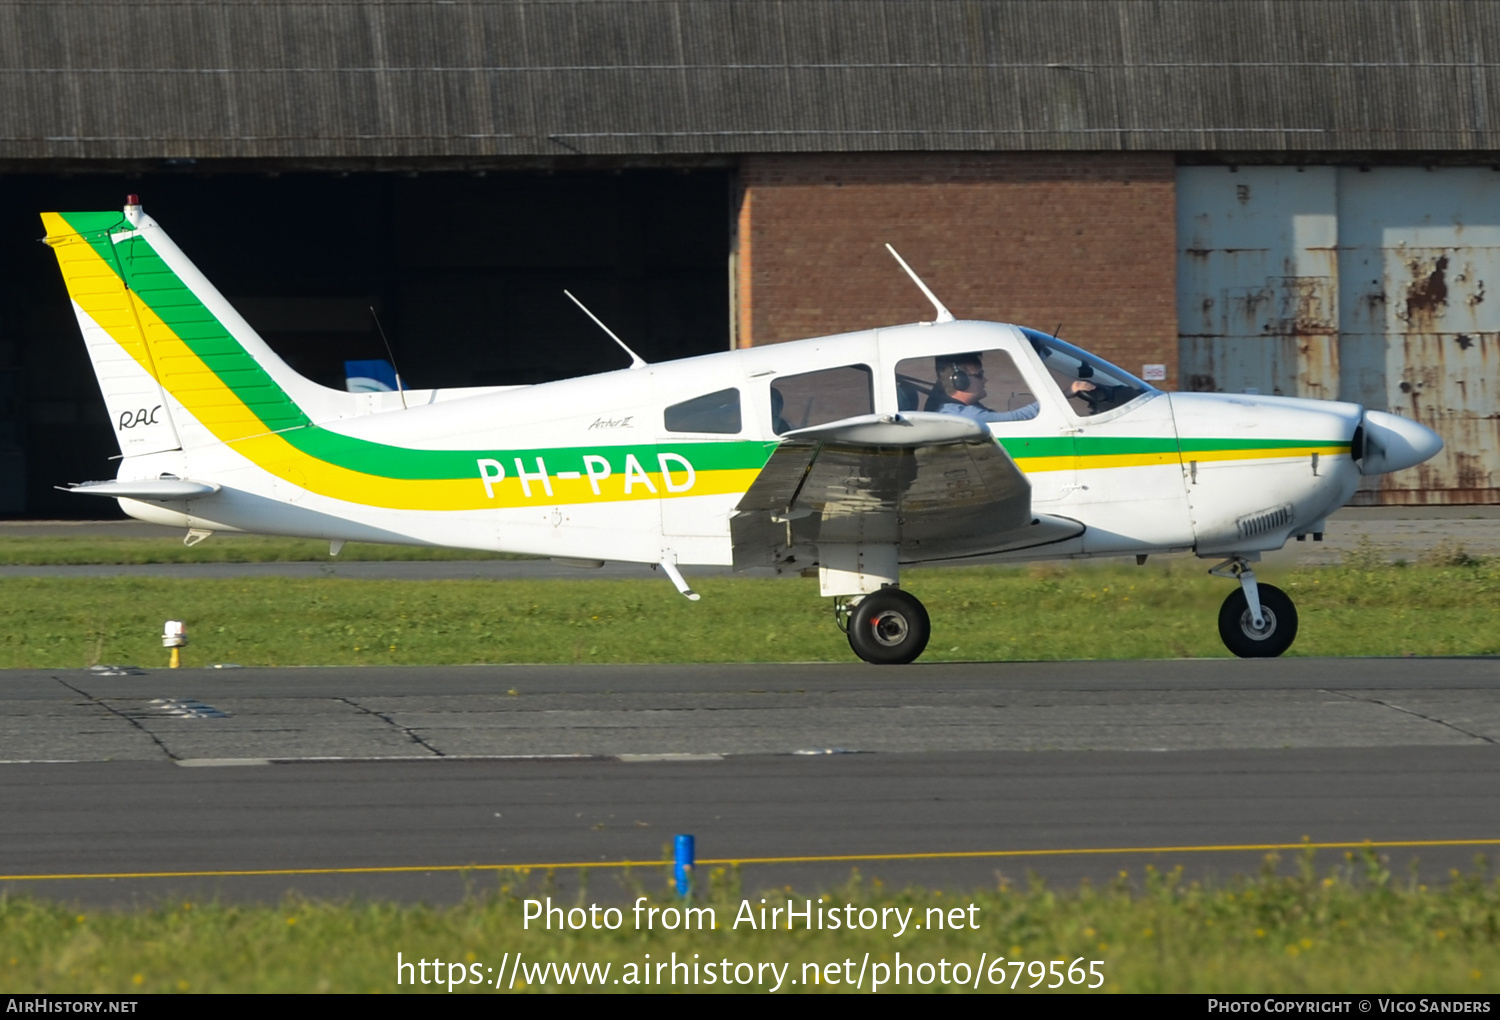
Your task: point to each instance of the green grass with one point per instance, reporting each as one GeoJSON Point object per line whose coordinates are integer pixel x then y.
{"type": "Point", "coordinates": [221, 548]}
{"type": "Point", "coordinates": [1349, 929]}
{"type": "Point", "coordinates": [1033, 613]}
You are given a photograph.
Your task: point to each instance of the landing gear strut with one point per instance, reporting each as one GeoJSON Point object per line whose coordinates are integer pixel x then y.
{"type": "Point", "coordinates": [1258, 621]}
{"type": "Point", "coordinates": [887, 627]}
{"type": "Point", "coordinates": [884, 624]}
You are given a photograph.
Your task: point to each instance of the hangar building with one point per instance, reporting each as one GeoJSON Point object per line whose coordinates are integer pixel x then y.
{"type": "Point", "coordinates": [1273, 196]}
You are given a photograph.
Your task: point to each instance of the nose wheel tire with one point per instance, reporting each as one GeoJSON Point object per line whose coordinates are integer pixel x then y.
{"type": "Point", "coordinates": [1237, 627]}
{"type": "Point", "coordinates": [889, 627]}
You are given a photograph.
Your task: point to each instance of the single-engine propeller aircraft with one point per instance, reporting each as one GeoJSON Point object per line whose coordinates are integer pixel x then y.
{"type": "Point", "coordinates": [855, 454]}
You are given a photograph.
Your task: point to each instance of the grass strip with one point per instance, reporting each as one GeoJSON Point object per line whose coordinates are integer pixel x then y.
{"type": "Point", "coordinates": [1350, 928]}
{"type": "Point", "coordinates": [982, 613]}
{"type": "Point", "coordinates": [29, 550]}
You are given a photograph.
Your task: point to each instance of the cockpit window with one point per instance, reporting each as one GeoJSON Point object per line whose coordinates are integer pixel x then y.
{"type": "Point", "coordinates": [1094, 383]}
{"type": "Point", "coordinates": [717, 412]}
{"type": "Point", "coordinates": [983, 385]}
{"type": "Point", "coordinates": [816, 398]}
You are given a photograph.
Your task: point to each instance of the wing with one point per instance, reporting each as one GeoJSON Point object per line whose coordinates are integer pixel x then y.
{"type": "Point", "coordinates": [937, 486]}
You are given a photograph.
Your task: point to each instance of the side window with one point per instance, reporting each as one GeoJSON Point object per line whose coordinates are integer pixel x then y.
{"type": "Point", "coordinates": [717, 412]}
{"type": "Point", "coordinates": [985, 385]}
{"type": "Point", "coordinates": [816, 398]}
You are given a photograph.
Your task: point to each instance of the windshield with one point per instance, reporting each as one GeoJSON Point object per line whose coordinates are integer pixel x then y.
{"type": "Point", "coordinates": [1097, 385]}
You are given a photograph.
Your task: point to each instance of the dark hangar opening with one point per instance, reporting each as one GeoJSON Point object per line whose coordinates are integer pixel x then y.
{"type": "Point", "coordinates": [466, 271]}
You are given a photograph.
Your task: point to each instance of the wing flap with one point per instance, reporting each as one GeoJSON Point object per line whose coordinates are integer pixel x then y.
{"type": "Point", "coordinates": [936, 486]}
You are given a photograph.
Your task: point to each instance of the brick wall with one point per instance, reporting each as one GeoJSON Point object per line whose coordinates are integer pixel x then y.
{"type": "Point", "coordinates": [1087, 240]}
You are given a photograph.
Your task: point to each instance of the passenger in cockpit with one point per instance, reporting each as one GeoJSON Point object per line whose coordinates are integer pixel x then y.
{"type": "Point", "coordinates": [778, 424]}
{"type": "Point", "coordinates": [961, 378]}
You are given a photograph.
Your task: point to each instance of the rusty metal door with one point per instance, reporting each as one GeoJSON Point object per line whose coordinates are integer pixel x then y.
{"type": "Point", "coordinates": [1420, 335]}
{"type": "Point", "coordinates": [1364, 285]}
{"type": "Point", "coordinates": [1257, 281]}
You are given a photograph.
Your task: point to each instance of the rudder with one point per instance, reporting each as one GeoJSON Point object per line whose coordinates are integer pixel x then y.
{"type": "Point", "coordinates": [155, 326]}
{"type": "Point", "coordinates": [112, 333]}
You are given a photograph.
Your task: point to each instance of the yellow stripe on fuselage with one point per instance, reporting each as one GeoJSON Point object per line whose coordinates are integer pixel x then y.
{"type": "Point", "coordinates": [96, 287]}
{"type": "Point", "coordinates": [155, 346]}
{"type": "Point", "coordinates": [1276, 453]}
{"type": "Point", "coordinates": [1038, 465]}
{"type": "Point", "coordinates": [274, 454]}
{"type": "Point", "coordinates": [1101, 461]}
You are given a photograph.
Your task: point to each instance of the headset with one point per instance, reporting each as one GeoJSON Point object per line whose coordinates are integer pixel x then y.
{"type": "Point", "coordinates": [957, 380]}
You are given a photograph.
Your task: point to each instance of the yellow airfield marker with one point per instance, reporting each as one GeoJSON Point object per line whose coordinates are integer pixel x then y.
{"type": "Point", "coordinates": [823, 859]}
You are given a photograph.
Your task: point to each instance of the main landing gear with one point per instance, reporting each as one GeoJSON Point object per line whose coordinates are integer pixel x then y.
{"type": "Point", "coordinates": [890, 627]}
{"type": "Point", "coordinates": [1257, 621]}
{"type": "Point", "coordinates": [886, 627]}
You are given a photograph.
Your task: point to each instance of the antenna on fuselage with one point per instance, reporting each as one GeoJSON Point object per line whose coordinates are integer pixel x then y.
{"type": "Point", "coordinates": [943, 315]}
{"type": "Point", "coordinates": [400, 386]}
{"type": "Point", "coordinates": [636, 361]}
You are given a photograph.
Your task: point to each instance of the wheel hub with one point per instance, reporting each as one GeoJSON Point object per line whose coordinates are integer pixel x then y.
{"type": "Point", "coordinates": [1247, 624]}
{"type": "Point", "coordinates": [890, 628]}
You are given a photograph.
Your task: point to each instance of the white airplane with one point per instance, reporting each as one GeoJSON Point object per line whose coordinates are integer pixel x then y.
{"type": "Point", "coordinates": [853, 454]}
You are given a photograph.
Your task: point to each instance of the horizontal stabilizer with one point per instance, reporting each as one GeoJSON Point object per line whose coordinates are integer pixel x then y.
{"type": "Point", "coordinates": [161, 489]}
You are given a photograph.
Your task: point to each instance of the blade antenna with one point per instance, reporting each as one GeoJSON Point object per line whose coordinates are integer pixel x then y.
{"type": "Point", "coordinates": [400, 386]}
{"type": "Point", "coordinates": [943, 315]}
{"type": "Point", "coordinates": [636, 361]}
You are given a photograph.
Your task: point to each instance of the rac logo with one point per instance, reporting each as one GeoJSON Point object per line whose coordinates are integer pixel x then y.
{"type": "Point", "coordinates": [677, 474]}
{"type": "Point", "coordinates": [130, 419]}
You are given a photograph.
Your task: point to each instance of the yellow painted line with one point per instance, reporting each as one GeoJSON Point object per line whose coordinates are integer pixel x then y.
{"type": "Point", "coordinates": [1097, 851]}
{"type": "Point", "coordinates": [252, 873]}
{"type": "Point", "coordinates": [821, 859]}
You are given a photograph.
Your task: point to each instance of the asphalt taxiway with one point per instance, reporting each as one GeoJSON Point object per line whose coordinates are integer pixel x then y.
{"type": "Point", "coordinates": [334, 780]}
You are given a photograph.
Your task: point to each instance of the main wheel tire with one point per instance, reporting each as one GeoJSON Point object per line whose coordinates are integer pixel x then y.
{"type": "Point", "coordinates": [1238, 629]}
{"type": "Point", "coordinates": [889, 627]}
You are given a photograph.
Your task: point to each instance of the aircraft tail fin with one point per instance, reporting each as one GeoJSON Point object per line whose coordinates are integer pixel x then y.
{"type": "Point", "coordinates": [178, 366]}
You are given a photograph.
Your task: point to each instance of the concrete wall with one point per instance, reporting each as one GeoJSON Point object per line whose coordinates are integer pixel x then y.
{"type": "Point", "coordinates": [1086, 241]}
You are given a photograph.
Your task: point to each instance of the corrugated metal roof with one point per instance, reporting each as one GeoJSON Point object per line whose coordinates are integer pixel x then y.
{"type": "Point", "coordinates": [413, 78]}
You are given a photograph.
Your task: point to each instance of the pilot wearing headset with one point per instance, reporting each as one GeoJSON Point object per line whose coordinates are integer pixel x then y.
{"type": "Point", "coordinates": [961, 377]}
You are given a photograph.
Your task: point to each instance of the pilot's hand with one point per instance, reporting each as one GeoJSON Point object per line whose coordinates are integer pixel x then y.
{"type": "Point", "coordinates": [1082, 386]}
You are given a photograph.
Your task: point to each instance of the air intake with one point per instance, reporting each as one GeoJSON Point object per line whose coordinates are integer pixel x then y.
{"type": "Point", "coordinates": [1266, 520]}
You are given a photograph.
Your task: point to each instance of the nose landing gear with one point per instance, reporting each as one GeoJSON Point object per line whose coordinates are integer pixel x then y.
{"type": "Point", "coordinates": [1257, 621]}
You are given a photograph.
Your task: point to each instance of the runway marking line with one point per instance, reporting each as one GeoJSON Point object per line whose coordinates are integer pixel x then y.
{"type": "Point", "coordinates": [823, 859]}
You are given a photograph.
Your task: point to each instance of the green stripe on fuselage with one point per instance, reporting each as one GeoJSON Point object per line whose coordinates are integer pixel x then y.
{"type": "Point", "coordinates": [165, 294]}
{"type": "Point", "coordinates": [404, 462]}
{"type": "Point", "coordinates": [1022, 447]}
{"type": "Point", "coordinates": [1208, 445]}
{"type": "Point", "coordinates": [144, 272]}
